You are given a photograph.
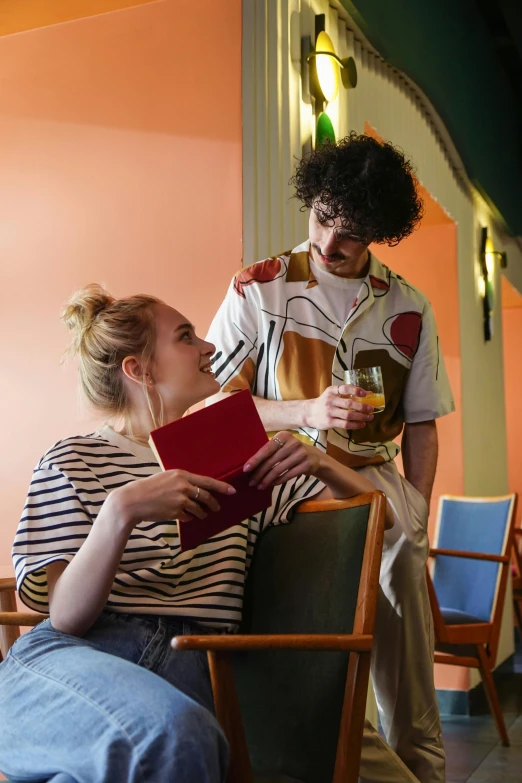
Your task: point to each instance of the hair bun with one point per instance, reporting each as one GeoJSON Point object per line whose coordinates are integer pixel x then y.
{"type": "Point", "coordinates": [82, 309]}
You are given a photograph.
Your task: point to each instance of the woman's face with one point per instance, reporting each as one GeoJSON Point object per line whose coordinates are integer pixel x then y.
{"type": "Point", "coordinates": [180, 368]}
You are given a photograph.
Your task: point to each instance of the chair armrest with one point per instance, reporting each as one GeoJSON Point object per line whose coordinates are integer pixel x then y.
{"type": "Point", "coordinates": [232, 643]}
{"type": "Point", "coordinates": [470, 555]}
{"type": "Point", "coordinates": [334, 504]}
{"type": "Point", "coordinates": [21, 618]}
{"type": "Point", "coordinates": [7, 584]}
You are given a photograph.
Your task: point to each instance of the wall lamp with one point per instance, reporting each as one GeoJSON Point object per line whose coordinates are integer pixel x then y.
{"type": "Point", "coordinates": [326, 66]}
{"type": "Point", "coordinates": [325, 71]}
{"type": "Point", "coordinates": [487, 258]}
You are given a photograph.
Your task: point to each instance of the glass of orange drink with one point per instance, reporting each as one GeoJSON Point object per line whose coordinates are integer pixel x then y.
{"type": "Point", "coordinates": [369, 379]}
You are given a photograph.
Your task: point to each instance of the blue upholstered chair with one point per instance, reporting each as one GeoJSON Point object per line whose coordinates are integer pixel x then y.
{"type": "Point", "coordinates": [290, 689]}
{"type": "Point", "coordinates": [467, 585]}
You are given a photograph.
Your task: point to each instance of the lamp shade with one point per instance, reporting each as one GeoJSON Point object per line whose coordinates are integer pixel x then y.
{"type": "Point", "coordinates": [327, 67]}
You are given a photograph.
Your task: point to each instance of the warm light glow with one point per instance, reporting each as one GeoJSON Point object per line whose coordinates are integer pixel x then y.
{"type": "Point", "coordinates": [481, 287]}
{"type": "Point", "coordinates": [327, 68]}
{"type": "Point", "coordinates": [490, 258]}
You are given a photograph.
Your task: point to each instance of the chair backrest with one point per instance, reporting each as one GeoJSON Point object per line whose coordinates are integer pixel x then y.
{"type": "Point", "coordinates": [305, 578]}
{"type": "Point", "coordinates": [472, 524]}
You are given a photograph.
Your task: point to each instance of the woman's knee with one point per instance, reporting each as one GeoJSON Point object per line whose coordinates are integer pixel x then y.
{"type": "Point", "coordinates": [186, 737]}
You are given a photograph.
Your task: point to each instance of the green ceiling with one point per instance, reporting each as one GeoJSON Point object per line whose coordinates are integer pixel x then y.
{"type": "Point", "coordinates": [445, 46]}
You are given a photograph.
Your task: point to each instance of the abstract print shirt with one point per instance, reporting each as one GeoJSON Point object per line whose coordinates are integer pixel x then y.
{"type": "Point", "coordinates": [277, 335]}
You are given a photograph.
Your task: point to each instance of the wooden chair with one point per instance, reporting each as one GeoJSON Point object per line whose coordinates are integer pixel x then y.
{"type": "Point", "coordinates": [517, 577]}
{"type": "Point", "coordinates": [290, 689]}
{"type": "Point", "coordinates": [10, 618]}
{"type": "Point", "coordinates": [467, 585]}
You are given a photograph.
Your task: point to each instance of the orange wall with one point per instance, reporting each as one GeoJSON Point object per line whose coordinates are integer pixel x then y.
{"type": "Point", "coordinates": [428, 259]}
{"type": "Point", "coordinates": [120, 153]}
{"type": "Point", "coordinates": [512, 334]}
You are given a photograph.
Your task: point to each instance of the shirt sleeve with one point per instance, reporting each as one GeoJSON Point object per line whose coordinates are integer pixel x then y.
{"type": "Point", "coordinates": [234, 332]}
{"type": "Point", "coordinates": [286, 497]}
{"type": "Point", "coordinates": [53, 527]}
{"type": "Point", "coordinates": [427, 394]}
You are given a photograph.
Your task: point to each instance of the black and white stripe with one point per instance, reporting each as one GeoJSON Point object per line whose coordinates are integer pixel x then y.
{"type": "Point", "coordinates": [69, 486]}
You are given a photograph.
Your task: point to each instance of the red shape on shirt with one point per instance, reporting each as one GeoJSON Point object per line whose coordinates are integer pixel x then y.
{"type": "Point", "coordinates": [263, 272]}
{"type": "Point", "coordinates": [378, 283]}
{"type": "Point", "coordinates": [405, 332]}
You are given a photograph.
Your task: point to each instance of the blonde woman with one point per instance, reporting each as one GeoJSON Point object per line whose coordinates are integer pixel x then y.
{"type": "Point", "coordinates": [96, 693]}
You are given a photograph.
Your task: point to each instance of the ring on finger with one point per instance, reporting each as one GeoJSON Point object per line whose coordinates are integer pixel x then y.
{"type": "Point", "coordinates": [198, 490]}
{"type": "Point", "coordinates": [279, 442]}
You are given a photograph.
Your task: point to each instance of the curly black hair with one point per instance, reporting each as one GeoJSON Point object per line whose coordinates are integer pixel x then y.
{"type": "Point", "coordinates": [369, 184]}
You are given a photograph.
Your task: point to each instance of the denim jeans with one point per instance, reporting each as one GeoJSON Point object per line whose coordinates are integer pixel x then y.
{"type": "Point", "coordinates": [115, 706]}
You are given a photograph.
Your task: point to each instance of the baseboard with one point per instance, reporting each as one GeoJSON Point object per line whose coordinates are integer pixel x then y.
{"type": "Point", "coordinates": [474, 701]}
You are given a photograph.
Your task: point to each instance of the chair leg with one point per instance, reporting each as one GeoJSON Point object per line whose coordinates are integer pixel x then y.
{"type": "Point", "coordinates": [492, 696]}
{"type": "Point", "coordinates": [348, 755]}
{"type": "Point", "coordinates": [8, 633]}
{"type": "Point", "coordinates": [517, 604]}
{"type": "Point", "coordinates": [229, 716]}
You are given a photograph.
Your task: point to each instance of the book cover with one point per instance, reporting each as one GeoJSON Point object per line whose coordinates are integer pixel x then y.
{"type": "Point", "coordinates": [216, 441]}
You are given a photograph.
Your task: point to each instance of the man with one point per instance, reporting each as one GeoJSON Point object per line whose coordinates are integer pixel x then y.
{"type": "Point", "coordinates": [287, 329]}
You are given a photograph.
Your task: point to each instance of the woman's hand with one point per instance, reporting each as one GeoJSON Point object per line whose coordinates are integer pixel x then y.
{"type": "Point", "coordinates": [282, 458]}
{"type": "Point", "coordinates": [172, 494]}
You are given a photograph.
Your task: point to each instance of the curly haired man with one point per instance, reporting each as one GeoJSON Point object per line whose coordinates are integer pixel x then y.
{"type": "Point", "coordinates": [288, 328]}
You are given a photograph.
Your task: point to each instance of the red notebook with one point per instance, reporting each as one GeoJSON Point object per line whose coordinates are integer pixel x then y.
{"type": "Point", "coordinates": [216, 441]}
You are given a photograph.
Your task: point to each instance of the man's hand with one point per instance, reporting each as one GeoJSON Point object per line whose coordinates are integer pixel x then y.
{"type": "Point", "coordinates": [334, 408]}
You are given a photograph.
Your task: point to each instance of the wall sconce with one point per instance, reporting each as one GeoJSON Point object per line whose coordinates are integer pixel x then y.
{"type": "Point", "coordinates": [325, 70]}
{"type": "Point", "coordinates": [485, 281]}
{"type": "Point", "coordinates": [326, 66]}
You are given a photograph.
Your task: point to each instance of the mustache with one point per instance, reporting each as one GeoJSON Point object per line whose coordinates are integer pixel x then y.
{"type": "Point", "coordinates": [333, 256]}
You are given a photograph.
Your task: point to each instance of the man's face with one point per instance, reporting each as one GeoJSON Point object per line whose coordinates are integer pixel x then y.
{"type": "Point", "coordinates": [335, 248]}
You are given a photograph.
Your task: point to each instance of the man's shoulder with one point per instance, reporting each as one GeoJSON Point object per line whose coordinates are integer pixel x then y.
{"type": "Point", "coordinates": [290, 266]}
{"type": "Point", "coordinates": [399, 287]}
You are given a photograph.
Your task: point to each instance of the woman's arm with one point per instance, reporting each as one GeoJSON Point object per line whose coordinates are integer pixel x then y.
{"type": "Point", "coordinates": [274, 464]}
{"type": "Point", "coordinates": [79, 590]}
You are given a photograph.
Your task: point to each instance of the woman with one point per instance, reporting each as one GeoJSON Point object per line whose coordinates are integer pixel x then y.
{"type": "Point", "coordinates": [96, 693]}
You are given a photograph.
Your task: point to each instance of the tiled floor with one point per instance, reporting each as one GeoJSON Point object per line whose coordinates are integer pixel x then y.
{"type": "Point", "coordinates": [473, 751]}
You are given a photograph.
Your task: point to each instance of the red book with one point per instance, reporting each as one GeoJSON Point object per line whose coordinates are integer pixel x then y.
{"type": "Point", "coordinates": [216, 441]}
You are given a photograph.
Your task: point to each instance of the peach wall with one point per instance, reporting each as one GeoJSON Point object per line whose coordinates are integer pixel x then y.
{"type": "Point", "coordinates": [428, 259]}
{"type": "Point", "coordinates": [120, 152]}
{"type": "Point", "coordinates": [21, 15]}
{"type": "Point", "coordinates": [512, 333]}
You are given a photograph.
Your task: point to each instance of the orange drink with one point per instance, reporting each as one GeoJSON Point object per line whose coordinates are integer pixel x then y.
{"type": "Point", "coordinates": [372, 398]}
{"type": "Point", "coordinates": [369, 379]}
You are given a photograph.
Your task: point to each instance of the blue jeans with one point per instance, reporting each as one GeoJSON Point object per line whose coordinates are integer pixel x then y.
{"type": "Point", "coordinates": [115, 706]}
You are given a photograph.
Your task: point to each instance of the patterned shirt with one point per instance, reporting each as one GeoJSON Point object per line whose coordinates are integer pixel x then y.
{"type": "Point", "coordinates": [69, 486]}
{"type": "Point", "coordinates": [276, 334]}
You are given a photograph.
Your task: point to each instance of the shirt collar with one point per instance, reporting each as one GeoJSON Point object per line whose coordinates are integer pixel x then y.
{"type": "Point", "coordinates": [299, 269]}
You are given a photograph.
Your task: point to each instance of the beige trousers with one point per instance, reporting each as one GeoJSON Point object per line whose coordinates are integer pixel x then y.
{"type": "Point", "coordinates": [402, 659]}
{"type": "Point", "coordinates": [379, 764]}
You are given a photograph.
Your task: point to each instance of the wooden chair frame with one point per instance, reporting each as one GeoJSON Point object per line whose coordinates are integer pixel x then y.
{"type": "Point", "coordinates": [359, 644]}
{"type": "Point", "coordinates": [483, 636]}
{"type": "Point", "coordinates": [11, 620]}
{"type": "Point", "coordinates": [517, 577]}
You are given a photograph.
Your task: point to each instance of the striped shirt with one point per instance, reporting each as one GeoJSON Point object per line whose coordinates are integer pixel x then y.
{"type": "Point", "coordinates": [69, 486]}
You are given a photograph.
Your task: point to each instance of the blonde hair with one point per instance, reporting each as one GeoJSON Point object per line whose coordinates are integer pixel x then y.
{"type": "Point", "coordinates": [105, 330]}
